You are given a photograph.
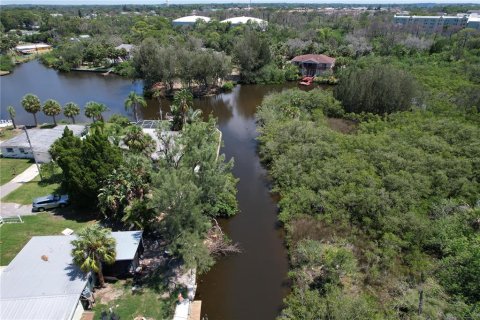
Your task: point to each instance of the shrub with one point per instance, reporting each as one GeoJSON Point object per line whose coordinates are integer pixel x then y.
{"type": "Point", "coordinates": [228, 86]}
{"type": "Point", "coordinates": [120, 120]}
{"type": "Point", "coordinates": [6, 63]}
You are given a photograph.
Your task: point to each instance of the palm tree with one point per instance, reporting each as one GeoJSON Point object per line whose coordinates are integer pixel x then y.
{"type": "Point", "coordinates": [71, 110]}
{"type": "Point", "coordinates": [31, 104]}
{"type": "Point", "coordinates": [157, 94]}
{"type": "Point", "coordinates": [193, 115]}
{"type": "Point", "coordinates": [94, 110]}
{"type": "Point", "coordinates": [52, 108]}
{"type": "Point", "coordinates": [183, 99]}
{"type": "Point", "coordinates": [94, 246]}
{"type": "Point", "coordinates": [133, 101]}
{"type": "Point", "coordinates": [12, 113]}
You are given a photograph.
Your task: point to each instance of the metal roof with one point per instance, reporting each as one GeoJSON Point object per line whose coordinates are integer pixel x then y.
{"type": "Point", "coordinates": [41, 139]}
{"type": "Point", "coordinates": [315, 58]}
{"type": "Point", "coordinates": [244, 20]}
{"type": "Point", "coordinates": [42, 282]}
{"type": "Point", "coordinates": [191, 19]}
{"type": "Point", "coordinates": [127, 244]}
{"type": "Point", "coordinates": [36, 288]}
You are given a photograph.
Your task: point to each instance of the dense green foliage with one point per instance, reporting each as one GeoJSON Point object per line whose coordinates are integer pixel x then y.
{"type": "Point", "coordinates": [376, 89]}
{"type": "Point", "coordinates": [388, 210]}
{"type": "Point", "coordinates": [85, 164]}
{"type": "Point", "coordinates": [6, 63]}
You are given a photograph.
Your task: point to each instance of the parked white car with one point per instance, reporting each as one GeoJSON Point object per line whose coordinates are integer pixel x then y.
{"type": "Point", "coordinates": [49, 202]}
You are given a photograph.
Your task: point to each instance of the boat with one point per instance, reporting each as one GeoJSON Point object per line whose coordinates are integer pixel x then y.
{"type": "Point", "coordinates": [306, 81]}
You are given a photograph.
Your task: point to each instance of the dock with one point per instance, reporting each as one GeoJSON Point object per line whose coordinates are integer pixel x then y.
{"type": "Point", "coordinates": [188, 310]}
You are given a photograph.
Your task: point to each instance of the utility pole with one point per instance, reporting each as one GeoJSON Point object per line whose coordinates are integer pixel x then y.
{"type": "Point", "coordinates": [33, 153]}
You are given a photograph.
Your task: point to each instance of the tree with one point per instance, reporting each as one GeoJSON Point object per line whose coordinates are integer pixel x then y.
{"type": "Point", "coordinates": [138, 141]}
{"type": "Point", "coordinates": [183, 99]}
{"type": "Point", "coordinates": [251, 52]}
{"type": "Point", "coordinates": [71, 110]}
{"type": "Point", "coordinates": [52, 108]}
{"type": "Point", "coordinates": [94, 247]}
{"type": "Point", "coordinates": [31, 104]}
{"type": "Point", "coordinates": [12, 113]}
{"type": "Point", "coordinates": [158, 94]}
{"type": "Point", "coordinates": [377, 89]}
{"type": "Point", "coordinates": [85, 163]}
{"type": "Point", "coordinates": [94, 110]}
{"type": "Point", "coordinates": [133, 101]}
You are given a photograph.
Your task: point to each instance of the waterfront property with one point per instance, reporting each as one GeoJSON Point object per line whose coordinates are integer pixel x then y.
{"type": "Point", "coordinates": [128, 48]}
{"type": "Point", "coordinates": [438, 23]}
{"type": "Point", "coordinates": [189, 20]}
{"type": "Point", "coordinates": [41, 140]}
{"type": "Point", "coordinates": [42, 282]}
{"type": "Point", "coordinates": [33, 48]}
{"type": "Point", "coordinates": [313, 64]}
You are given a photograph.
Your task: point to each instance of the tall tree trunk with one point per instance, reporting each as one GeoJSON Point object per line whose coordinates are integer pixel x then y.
{"type": "Point", "coordinates": [73, 119]}
{"type": "Point", "coordinates": [13, 122]}
{"type": "Point", "coordinates": [135, 112]}
{"type": "Point", "coordinates": [420, 300]}
{"type": "Point", "coordinates": [101, 279]}
{"type": "Point", "coordinates": [54, 121]}
{"type": "Point", "coordinates": [35, 118]}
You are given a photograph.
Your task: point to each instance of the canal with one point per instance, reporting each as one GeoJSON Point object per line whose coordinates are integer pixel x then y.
{"type": "Point", "coordinates": [250, 285]}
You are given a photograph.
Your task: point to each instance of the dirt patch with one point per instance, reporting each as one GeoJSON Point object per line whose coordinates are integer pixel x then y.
{"type": "Point", "coordinates": [108, 294]}
{"type": "Point", "coordinates": [341, 125]}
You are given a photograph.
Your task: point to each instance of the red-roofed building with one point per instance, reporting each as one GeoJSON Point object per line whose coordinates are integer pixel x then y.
{"type": "Point", "coordinates": [313, 64]}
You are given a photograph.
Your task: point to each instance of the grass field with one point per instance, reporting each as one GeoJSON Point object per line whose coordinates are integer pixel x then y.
{"type": "Point", "coordinates": [130, 305]}
{"type": "Point", "coordinates": [8, 133]}
{"type": "Point", "coordinates": [15, 235]}
{"type": "Point", "coordinates": [10, 168]}
{"type": "Point", "coordinates": [31, 190]}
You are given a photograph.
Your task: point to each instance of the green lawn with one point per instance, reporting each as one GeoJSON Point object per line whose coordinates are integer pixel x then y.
{"type": "Point", "coordinates": [15, 235]}
{"type": "Point", "coordinates": [31, 190]}
{"type": "Point", "coordinates": [10, 168]}
{"type": "Point", "coordinates": [8, 133]}
{"type": "Point", "coordinates": [147, 304]}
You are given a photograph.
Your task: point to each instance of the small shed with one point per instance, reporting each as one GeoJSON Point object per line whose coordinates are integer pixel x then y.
{"type": "Point", "coordinates": [41, 139]}
{"type": "Point", "coordinates": [33, 48]}
{"type": "Point", "coordinates": [189, 20]}
{"type": "Point", "coordinates": [314, 64]}
{"type": "Point", "coordinates": [129, 247]}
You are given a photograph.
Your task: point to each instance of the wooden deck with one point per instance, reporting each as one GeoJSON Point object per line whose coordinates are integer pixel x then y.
{"type": "Point", "coordinates": [195, 310]}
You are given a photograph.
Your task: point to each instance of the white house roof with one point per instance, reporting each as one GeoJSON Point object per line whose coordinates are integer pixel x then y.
{"type": "Point", "coordinates": [32, 46]}
{"type": "Point", "coordinates": [127, 47]}
{"type": "Point", "coordinates": [42, 282]}
{"type": "Point", "coordinates": [34, 288]}
{"type": "Point", "coordinates": [41, 139]}
{"type": "Point", "coordinates": [244, 20]}
{"type": "Point", "coordinates": [191, 19]}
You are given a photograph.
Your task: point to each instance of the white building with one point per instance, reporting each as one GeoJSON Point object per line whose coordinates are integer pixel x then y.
{"type": "Point", "coordinates": [41, 139]}
{"type": "Point", "coordinates": [459, 21]}
{"type": "Point", "coordinates": [189, 20]}
{"type": "Point", "coordinates": [42, 282]}
{"type": "Point", "coordinates": [32, 48]}
{"type": "Point", "coordinates": [244, 20]}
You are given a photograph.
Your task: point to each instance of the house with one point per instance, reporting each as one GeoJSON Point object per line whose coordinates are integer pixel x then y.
{"type": "Point", "coordinates": [41, 140]}
{"type": "Point", "coordinates": [33, 48]}
{"type": "Point", "coordinates": [236, 21]}
{"type": "Point", "coordinates": [313, 64]}
{"type": "Point", "coordinates": [189, 20]}
{"type": "Point", "coordinates": [42, 282]}
{"type": "Point", "coordinates": [128, 48]}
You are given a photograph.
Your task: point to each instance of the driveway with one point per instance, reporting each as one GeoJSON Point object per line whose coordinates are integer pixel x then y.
{"type": "Point", "coordinates": [14, 209]}
{"type": "Point", "coordinates": [29, 174]}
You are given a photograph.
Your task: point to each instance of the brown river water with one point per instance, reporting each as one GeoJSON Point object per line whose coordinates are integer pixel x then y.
{"type": "Point", "coordinates": [250, 285]}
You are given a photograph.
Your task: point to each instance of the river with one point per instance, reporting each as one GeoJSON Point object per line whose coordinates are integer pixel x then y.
{"type": "Point", "coordinates": [250, 285]}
